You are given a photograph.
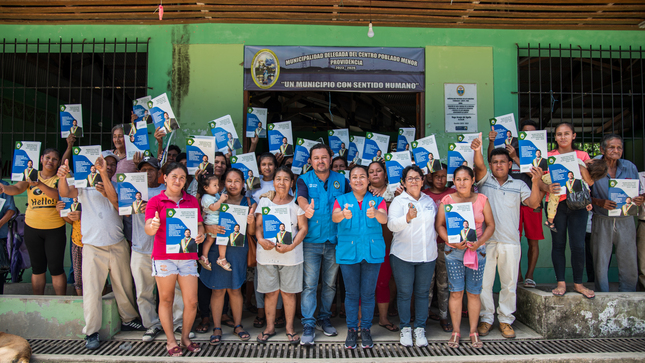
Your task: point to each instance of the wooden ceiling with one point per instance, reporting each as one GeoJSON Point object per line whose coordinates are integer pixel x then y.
{"type": "Point", "coordinates": [511, 14]}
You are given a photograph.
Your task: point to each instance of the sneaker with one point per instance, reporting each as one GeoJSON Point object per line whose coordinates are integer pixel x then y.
{"type": "Point", "coordinates": [420, 339]}
{"type": "Point", "coordinates": [325, 326]}
{"type": "Point", "coordinates": [483, 329]}
{"type": "Point", "coordinates": [406, 336]}
{"type": "Point", "coordinates": [366, 339]}
{"type": "Point", "coordinates": [134, 325]}
{"type": "Point", "coordinates": [151, 334]}
{"type": "Point", "coordinates": [352, 337]}
{"type": "Point", "coordinates": [191, 335]}
{"type": "Point", "coordinates": [507, 330]}
{"type": "Point", "coordinates": [308, 335]}
{"type": "Point", "coordinates": [92, 341]}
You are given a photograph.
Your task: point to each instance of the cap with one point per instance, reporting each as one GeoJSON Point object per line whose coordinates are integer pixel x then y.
{"type": "Point", "coordinates": [150, 160]}
{"type": "Point", "coordinates": [107, 153]}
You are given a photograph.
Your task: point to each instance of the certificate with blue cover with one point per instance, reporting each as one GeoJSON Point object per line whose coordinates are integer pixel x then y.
{"type": "Point", "coordinates": [256, 122]}
{"type": "Point", "coordinates": [506, 130]}
{"type": "Point", "coordinates": [132, 191]}
{"type": "Point", "coordinates": [85, 173]}
{"type": "Point", "coordinates": [405, 138]}
{"type": "Point", "coordinates": [71, 120]}
{"type": "Point", "coordinates": [623, 192]}
{"type": "Point", "coordinates": [162, 114]}
{"type": "Point", "coordinates": [181, 230]}
{"type": "Point", "coordinates": [564, 170]}
{"type": "Point", "coordinates": [281, 138]}
{"type": "Point", "coordinates": [394, 164]}
{"type": "Point", "coordinates": [225, 135]}
{"type": "Point", "coordinates": [375, 148]}
{"type": "Point", "coordinates": [459, 154]}
{"type": "Point", "coordinates": [276, 224]}
{"type": "Point", "coordinates": [301, 158]}
{"type": "Point", "coordinates": [460, 222]}
{"type": "Point", "coordinates": [26, 161]}
{"type": "Point", "coordinates": [233, 219]}
{"type": "Point", "coordinates": [533, 150]}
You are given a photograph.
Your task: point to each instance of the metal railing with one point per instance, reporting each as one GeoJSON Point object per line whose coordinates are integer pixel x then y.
{"type": "Point", "coordinates": [598, 90]}
{"type": "Point", "coordinates": [36, 77]}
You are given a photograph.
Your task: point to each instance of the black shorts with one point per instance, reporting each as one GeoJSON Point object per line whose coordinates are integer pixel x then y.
{"type": "Point", "coordinates": [46, 249]}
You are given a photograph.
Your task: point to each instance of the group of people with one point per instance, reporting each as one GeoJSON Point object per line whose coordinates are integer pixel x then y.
{"type": "Point", "coordinates": [356, 225]}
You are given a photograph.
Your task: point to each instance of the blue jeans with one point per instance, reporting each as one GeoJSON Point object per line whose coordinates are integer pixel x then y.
{"type": "Point", "coordinates": [575, 223]}
{"type": "Point", "coordinates": [412, 277]}
{"type": "Point", "coordinates": [360, 285]}
{"type": "Point", "coordinates": [318, 256]}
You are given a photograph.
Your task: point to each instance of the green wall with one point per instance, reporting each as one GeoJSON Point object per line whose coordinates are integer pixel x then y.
{"type": "Point", "coordinates": [200, 65]}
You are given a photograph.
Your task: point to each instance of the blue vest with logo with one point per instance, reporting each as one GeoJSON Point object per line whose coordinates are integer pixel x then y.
{"type": "Point", "coordinates": [321, 228]}
{"type": "Point", "coordinates": [359, 238]}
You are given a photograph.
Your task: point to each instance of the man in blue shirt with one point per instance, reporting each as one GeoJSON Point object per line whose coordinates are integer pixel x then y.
{"type": "Point", "coordinates": [7, 211]}
{"type": "Point", "coordinates": [606, 231]}
{"type": "Point", "coordinates": [316, 193]}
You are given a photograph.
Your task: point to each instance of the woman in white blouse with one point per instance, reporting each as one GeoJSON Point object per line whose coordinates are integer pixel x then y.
{"type": "Point", "coordinates": [413, 253]}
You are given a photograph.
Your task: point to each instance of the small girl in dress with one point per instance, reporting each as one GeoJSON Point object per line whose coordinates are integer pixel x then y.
{"type": "Point", "coordinates": [211, 202]}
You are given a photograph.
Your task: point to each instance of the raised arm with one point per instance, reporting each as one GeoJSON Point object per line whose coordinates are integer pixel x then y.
{"type": "Point", "coordinates": [480, 166]}
{"type": "Point", "coordinates": [64, 189]}
{"type": "Point", "coordinates": [533, 201]}
{"type": "Point", "coordinates": [108, 187]}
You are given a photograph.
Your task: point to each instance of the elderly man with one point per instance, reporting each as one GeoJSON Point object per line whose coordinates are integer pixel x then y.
{"type": "Point", "coordinates": [606, 231]}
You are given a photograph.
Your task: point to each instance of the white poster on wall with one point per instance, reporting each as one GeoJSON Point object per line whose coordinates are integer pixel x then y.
{"type": "Point", "coordinates": [460, 107]}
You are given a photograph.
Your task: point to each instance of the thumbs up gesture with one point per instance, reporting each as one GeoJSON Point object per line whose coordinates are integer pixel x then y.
{"type": "Point", "coordinates": [370, 212]}
{"type": "Point", "coordinates": [309, 213]}
{"type": "Point", "coordinates": [492, 134]}
{"type": "Point", "coordinates": [63, 170]}
{"type": "Point", "coordinates": [347, 214]}
{"type": "Point", "coordinates": [412, 212]}
{"type": "Point", "coordinates": [155, 222]}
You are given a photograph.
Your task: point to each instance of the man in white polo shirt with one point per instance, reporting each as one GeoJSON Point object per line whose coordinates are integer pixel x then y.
{"type": "Point", "coordinates": [503, 249]}
{"type": "Point", "coordinates": [105, 250]}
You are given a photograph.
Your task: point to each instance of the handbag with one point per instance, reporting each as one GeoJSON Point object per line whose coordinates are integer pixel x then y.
{"type": "Point", "coordinates": [251, 256]}
{"type": "Point", "coordinates": [579, 200]}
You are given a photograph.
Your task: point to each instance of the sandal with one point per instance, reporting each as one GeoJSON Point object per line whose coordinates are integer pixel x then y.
{"type": "Point", "coordinates": [558, 291]}
{"type": "Point", "coordinates": [175, 351]}
{"type": "Point", "coordinates": [433, 316]}
{"type": "Point", "coordinates": [224, 264]}
{"type": "Point", "coordinates": [551, 226]}
{"type": "Point", "coordinates": [294, 339]}
{"type": "Point", "coordinates": [475, 342]}
{"type": "Point", "coordinates": [589, 294]}
{"type": "Point", "coordinates": [259, 322]}
{"type": "Point", "coordinates": [243, 334]}
{"type": "Point", "coordinates": [529, 283]}
{"type": "Point", "coordinates": [263, 338]}
{"type": "Point", "coordinates": [228, 322]}
{"type": "Point", "coordinates": [193, 347]}
{"type": "Point", "coordinates": [454, 340]}
{"type": "Point", "coordinates": [204, 262]}
{"type": "Point", "coordinates": [391, 327]}
{"type": "Point", "coordinates": [280, 322]}
{"type": "Point", "coordinates": [445, 325]}
{"type": "Point", "coordinates": [203, 325]}
{"type": "Point", "coordinates": [215, 339]}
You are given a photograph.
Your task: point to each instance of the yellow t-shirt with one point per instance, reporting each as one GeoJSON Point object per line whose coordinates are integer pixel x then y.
{"type": "Point", "coordinates": [41, 209]}
{"type": "Point", "coordinates": [77, 237]}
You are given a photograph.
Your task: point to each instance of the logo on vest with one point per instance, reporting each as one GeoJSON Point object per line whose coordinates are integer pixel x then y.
{"type": "Point", "coordinates": [336, 185]}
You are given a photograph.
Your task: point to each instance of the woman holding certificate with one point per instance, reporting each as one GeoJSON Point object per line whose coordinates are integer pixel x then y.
{"type": "Point", "coordinates": [461, 277]}
{"type": "Point", "coordinates": [170, 268]}
{"type": "Point", "coordinates": [567, 220]}
{"type": "Point", "coordinates": [360, 252]}
{"type": "Point", "coordinates": [221, 281]}
{"type": "Point", "coordinates": [413, 253]}
{"type": "Point", "coordinates": [280, 261]}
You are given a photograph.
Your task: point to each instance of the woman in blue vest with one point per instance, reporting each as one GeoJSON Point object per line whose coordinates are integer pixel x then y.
{"type": "Point", "coordinates": [360, 252]}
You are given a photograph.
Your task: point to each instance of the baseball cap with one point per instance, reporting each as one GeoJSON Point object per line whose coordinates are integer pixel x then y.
{"type": "Point", "coordinates": [109, 153]}
{"type": "Point", "coordinates": [152, 161]}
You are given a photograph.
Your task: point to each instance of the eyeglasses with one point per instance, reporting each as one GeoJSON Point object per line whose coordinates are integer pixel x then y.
{"type": "Point", "coordinates": [413, 180]}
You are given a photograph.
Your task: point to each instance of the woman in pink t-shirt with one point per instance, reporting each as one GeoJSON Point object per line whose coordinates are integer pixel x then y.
{"type": "Point", "coordinates": [573, 221]}
{"type": "Point", "coordinates": [179, 265]}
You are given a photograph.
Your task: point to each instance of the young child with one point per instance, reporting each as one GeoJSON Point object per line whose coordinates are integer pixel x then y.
{"type": "Point", "coordinates": [211, 203]}
{"type": "Point", "coordinates": [593, 169]}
